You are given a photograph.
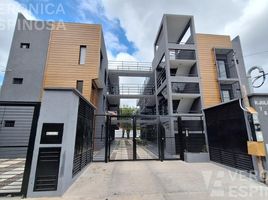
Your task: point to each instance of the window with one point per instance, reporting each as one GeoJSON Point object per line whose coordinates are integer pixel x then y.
{"type": "Point", "coordinates": [17, 80]}
{"type": "Point", "coordinates": [105, 77]}
{"type": "Point", "coordinates": [225, 95]}
{"type": "Point", "coordinates": [222, 69]}
{"type": "Point", "coordinates": [9, 123]}
{"type": "Point", "coordinates": [25, 45]}
{"type": "Point", "coordinates": [101, 60]}
{"type": "Point", "coordinates": [79, 86]}
{"type": "Point", "coordinates": [82, 55]}
{"type": "Point", "coordinates": [103, 103]}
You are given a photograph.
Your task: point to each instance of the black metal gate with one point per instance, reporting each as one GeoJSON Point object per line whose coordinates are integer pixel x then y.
{"type": "Point", "coordinates": [17, 136]}
{"type": "Point", "coordinates": [228, 136]}
{"type": "Point", "coordinates": [145, 137]}
{"type": "Point", "coordinates": [133, 138]}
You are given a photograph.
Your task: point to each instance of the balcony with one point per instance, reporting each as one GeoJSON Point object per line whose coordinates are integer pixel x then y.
{"type": "Point", "coordinates": [182, 54]}
{"type": "Point", "coordinates": [131, 89]}
{"type": "Point", "coordinates": [185, 88]}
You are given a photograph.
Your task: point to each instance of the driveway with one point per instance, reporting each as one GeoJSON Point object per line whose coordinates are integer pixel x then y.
{"type": "Point", "coordinates": [169, 180]}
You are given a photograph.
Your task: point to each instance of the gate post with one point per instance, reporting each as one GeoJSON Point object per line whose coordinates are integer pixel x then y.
{"type": "Point", "coordinates": [161, 141]}
{"type": "Point", "coordinates": [134, 138]}
{"type": "Point", "coordinates": [181, 139]}
{"type": "Point", "coordinates": [30, 151]}
{"type": "Point", "coordinates": [107, 137]}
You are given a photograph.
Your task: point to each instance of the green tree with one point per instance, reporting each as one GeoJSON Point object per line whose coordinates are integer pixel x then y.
{"type": "Point", "coordinates": [126, 126]}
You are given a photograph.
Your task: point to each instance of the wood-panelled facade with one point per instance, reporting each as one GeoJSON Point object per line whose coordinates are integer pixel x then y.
{"type": "Point", "coordinates": [206, 44]}
{"type": "Point", "coordinates": [62, 66]}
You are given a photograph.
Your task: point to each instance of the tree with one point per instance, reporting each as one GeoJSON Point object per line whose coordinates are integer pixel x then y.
{"type": "Point", "coordinates": [126, 126]}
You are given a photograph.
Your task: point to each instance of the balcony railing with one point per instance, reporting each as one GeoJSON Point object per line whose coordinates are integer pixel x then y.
{"type": "Point", "coordinates": [181, 54]}
{"type": "Point", "coordinates": [184, 74]}
{"type": "Point", "coordinates": [186, 88]}
{"type": "Point", "coordinates": [130, 66]}
{"type": "Point", "coordinates": [161, 77]}
{"type": "Point", "coordinates": [131, 89]}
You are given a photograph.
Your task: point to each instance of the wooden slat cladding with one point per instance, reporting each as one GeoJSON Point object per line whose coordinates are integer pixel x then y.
{"type": "Point", "coordinates": [207, 64]}
{"type": "Point", "coordinates": [62, 67]}
{"type": "Point", "coordinates": [94, 95]}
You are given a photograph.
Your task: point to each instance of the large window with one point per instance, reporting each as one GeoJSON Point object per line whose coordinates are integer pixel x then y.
{"type": "Point", "coordinates": [222, 69]}
{"type": "Point", "coordinates": [82, 56]}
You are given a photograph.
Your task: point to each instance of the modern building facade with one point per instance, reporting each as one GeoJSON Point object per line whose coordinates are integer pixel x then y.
{"type": "Point", "coordinates": [63, 69]}
{"type": "Point", "coordinates": [193, 71]}
{"type": "Point", "coordinates": [55, 56]}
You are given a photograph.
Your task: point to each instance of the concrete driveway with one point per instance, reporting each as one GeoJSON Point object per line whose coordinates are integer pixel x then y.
{"type": "Point", "coordinates": [169, 180]}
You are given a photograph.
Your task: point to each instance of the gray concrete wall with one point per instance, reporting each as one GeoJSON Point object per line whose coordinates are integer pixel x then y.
{"type": "Point", "coordinates": [57, 107]}
{"type": "Point", "coordinates": [260, 103]}
{"type": "Point", "coordinates": [100, 125]}
{"type": "Point", "coordinates": [101, 107]}
{"type": "Point", "coordinates": [29, 63]}
{"type": "Point", "coordinates": [241, 64]}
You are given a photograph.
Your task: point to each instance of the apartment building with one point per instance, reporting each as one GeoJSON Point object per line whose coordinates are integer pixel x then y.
{"type": "Point", "coordinates": [193, 71]}
{"type": "Point", "coordinates": [55, 82]}
{"type": "Point", "coordinates": [57, 78]}
{"type": "Point", "coordinates": [55, 55]}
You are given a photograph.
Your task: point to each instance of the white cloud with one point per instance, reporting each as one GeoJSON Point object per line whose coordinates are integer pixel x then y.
{"type": "Point", "coordinates": [253, 31]}
{"type": "Point", "coordinates": [112, 42]}
{"type": "Point", "coordinates": [140, 19]}
{"type": "Point", "coordinates": [93, 6]}
{"type": "Point", "coordinates": [248, 18]}
{"type": "Point", "coordinates": [125, 57]}
{"type": "Point", "coordinates": [8, 14]}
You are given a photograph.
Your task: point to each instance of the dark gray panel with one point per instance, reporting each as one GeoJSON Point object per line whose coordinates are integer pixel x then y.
{"type": "Point", "coordinates": [19, 134]}
{"type": "Point", "coordinates": [26, 63]}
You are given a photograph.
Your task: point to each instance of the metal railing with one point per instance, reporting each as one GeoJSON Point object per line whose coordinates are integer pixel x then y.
{"type": "Point", "coordinates": [182, 54]}
{"type": "Point", "coordinates": [161, 78]}
{"type": "Point", "coordinates": [182, 43]}
{"type": "Point", "coordinates": [130, 66]}
{"type": "Point", "coordinates": [131, 89]}
{"type": "Point", "coordinates": [187, 88]}
{"type": "Point", "coordinates": [185, 75]}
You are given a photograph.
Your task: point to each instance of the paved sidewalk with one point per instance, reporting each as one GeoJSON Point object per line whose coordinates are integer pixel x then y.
{"type": "Point", "coordinates": [154, 180]}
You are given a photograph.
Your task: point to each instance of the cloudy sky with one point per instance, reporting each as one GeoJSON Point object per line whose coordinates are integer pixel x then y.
{"type": "Point", "coordinates": [130, 25]}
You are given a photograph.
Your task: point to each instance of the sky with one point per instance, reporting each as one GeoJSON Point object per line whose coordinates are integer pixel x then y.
{"type": "Point", "coordinates": [130, 26]}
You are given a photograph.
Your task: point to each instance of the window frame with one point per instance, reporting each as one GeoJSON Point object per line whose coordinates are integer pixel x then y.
{"type": "Point", "coordinates": [80, 55]}
{"type": "Point", "coordinates": [10, 122]}
{"type": "Point", "coordinates": [223, 96]}
{"type": "Point", "coordinates": [77, 85]}
{"type": "Point", "coordinates": [25, 45]}
{"type": "Point", "coordinates": [17, 81]}
{"type": "Point", "coordinates": [219, 68]}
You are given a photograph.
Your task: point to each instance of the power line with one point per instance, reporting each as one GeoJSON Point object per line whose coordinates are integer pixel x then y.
{"type": "Point", "coordinates": [256, 53]}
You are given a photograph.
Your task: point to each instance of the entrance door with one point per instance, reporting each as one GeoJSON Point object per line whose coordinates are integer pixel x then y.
{"type": "Point", "coordinates": [121, 145]}
{"type": "Point", "coordinates": [135, 138]}
{"type": "Point", "coordinates": [147, 138]}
